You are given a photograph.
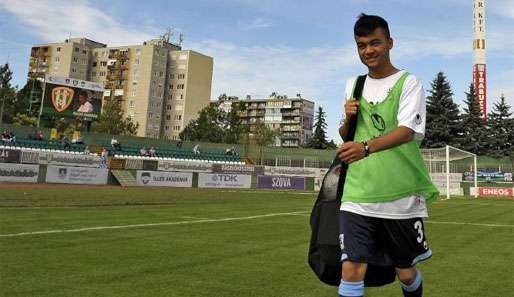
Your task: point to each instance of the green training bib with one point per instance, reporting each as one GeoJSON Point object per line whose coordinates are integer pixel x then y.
{"type": "Point", "coordinates": [390, 174]}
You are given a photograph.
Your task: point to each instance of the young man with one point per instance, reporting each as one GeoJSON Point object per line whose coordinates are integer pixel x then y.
{"type": "Point", "coordinates": [387, 183]}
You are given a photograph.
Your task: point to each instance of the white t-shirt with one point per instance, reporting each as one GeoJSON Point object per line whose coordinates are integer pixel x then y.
{"type": "Point", "coordinates": [411, 114]}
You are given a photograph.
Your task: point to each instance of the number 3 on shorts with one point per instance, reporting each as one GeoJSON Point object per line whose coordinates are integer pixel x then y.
{"type": "Point", "coordinates": [419, 227]}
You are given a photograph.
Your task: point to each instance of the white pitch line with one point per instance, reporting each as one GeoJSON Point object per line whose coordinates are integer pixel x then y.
{"type": "Point", "coordinates": [153, 224]}
{"type": "Point", "coordinates": [468, 224]}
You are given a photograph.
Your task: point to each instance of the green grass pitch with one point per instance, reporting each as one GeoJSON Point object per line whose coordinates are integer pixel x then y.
{"type": "Point", "coordinates": [107, 241]}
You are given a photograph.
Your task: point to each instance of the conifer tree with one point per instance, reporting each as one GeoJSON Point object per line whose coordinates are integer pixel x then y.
{"type": "Point", "coordinates": [474, 136]}
{"type": "Point", "coordinates": [319, 138]}
{"type": "Point", "coordinates": [501, 130]}
{"type": "Point", "coordinates": [442, 123]}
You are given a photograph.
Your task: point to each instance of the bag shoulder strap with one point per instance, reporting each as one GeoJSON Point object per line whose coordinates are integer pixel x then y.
{"type": "Point", "coordinates": [357, 94]}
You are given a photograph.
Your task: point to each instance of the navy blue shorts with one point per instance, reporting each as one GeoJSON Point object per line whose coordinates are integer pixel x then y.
{"type": "Point", "coordinates": [401, 243]}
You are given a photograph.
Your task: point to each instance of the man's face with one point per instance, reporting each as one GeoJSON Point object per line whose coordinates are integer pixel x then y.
{"type": "Point", "coordinates": [374, 49]}
{"type": "Point", "coordinates": [82, 98]}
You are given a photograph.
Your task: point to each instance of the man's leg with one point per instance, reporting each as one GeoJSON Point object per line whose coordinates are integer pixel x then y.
{"type": "Point", "coordinates": [410, 281]}
{"type": "Point", "coordinates": [352, 282]}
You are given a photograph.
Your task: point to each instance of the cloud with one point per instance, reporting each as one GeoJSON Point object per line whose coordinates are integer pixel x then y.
{"type": "Point", "coordinates": [260, 70]}
{"type": "Point", "coordinates": [57, 19]}
{"type": "Point", "coordinates": [258, 23]}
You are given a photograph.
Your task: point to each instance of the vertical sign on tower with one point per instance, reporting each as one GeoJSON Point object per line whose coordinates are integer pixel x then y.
{"type": "Point", "coordinates": [479, 62]}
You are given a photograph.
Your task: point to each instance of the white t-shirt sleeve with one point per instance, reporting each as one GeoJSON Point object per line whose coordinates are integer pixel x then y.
{"type": "Point", "coordinates": [412, 109]}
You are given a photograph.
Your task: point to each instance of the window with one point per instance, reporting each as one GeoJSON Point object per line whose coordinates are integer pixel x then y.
{"type": "Point", "coordinates": [103, 63]}
{"type": "Point", "coordinates": [150, 115]}
{"type": "Point", "coordinates": [132, 104]}
{"type": "Point", "coordinates": [73, 70]}
{"type": "Point", "coordinates": [181, 76]}
{"type": "Point", "coordinates": [136, 61]}
{"type": "Point", "coordinates": [181, 96]}
{"type": "Point", "coordinates": [161, 74]}
{"type": "Point", "coordinates": [84, 52]}
{"type": "Point", "coordinates": [171, 87]}
{"type": "Point", "coordinates": [95, 63]}
{"type": "Point", "coordinates": [57, 59]}
{"type": "Point", "coordinates": [77, 49]}
{"type": "Point", "coordinates": [59, 49]}
{"type": "Point", "coordinates": [180, 86]}
{"type": "Point", "coordinates": [134, 93]}
{"type": "Point", "coordinates": [138, 51]}
{"type": "Point", "coordinates": [172, 76]}
{"type": "Point", "coordinates": [102, 73]}
{"type": "Point", "coordinates": [168, 117]}
{"type": "Point", "coordinates": [168, 107]}
{"type": "Point", "coordinates": [75, 59]}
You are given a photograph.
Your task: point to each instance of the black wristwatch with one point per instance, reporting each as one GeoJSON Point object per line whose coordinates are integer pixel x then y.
{"type": "Point", "coordinates": [366, 148]}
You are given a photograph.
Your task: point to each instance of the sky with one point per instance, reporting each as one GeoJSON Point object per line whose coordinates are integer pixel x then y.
{"type": "Point", "coordinates": [283, 46]}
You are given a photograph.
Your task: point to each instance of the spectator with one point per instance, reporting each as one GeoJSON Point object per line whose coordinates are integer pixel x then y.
{"type": "Point", "coordinates": [65, 142]}
{"type": "Point", "coordinates": [39, 135]}
{"type": "Point", "coordinates": [151, 152]}
{"type": "Point", "coordinates": [115, 144]}
{"type": "Point", "coordinates": [79, 140]}
{"type": "Point", "coordinates": [179, 143]}
{"type": "Point", "coordinates": [86, 150]}
{"type": "Point", "coordinates": [6, 136]}
{"type": "Point", "coordinates": [196, 149]}
{"type": "Point", "coordinates": [103, 158]}
{"type": "Point", "coordinates": [143, 152]}
{"type": "Point", "coordinates": [12, 137]}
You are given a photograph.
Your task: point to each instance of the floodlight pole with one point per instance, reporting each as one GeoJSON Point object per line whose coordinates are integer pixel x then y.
{"type": "Point", "coordinates": [447, 172]}
{"type": "Point", "coordinates": [475, 174]}
{"type": "Point", "coordinates": [42, 103]}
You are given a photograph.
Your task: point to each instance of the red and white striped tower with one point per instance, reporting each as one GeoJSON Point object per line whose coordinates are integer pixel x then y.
{"type": "Point", "coordinates": [479, 61]}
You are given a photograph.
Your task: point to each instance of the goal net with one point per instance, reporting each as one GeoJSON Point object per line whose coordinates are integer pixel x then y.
{"type": "Point", "coordinates": [449, 167]}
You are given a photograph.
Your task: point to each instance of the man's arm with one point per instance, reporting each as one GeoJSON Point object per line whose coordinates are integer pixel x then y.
{"type": "Point", "coordinates": [353, 151]}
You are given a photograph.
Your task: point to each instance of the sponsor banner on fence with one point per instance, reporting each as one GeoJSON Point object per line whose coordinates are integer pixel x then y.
{"type": "Point", "coordinates": [221, 180]}
{"type": "Point", "coordinates": [184, 166]}
{"type": "Point", "coordinates": [490, 191]}
{"type": "Point", "coordinates": [295, 171]}
{"type": "Point", "coordinates": [76, 175]}
{"type": "Point", "coordinates": [489, 176]}
{"type": "Point", "coordinates": [10, 156]}
{"type": "Point", "coordinates": [280, 182]}
{"type": "Point", "coordinates": [30, 157]}
{"type": "Point", "coordinates": [238, 169]}
{"type": "Point", "coordinates": [62, 159]}
{"type": "Point", "coordinates": [20, 173]}
{"type": "Point", "coordinates": [164, 179]}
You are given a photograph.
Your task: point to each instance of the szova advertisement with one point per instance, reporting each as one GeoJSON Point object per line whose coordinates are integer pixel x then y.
{"type": "Point", "coordinates": [19, 173]}
{"type": "Point", "coordinates": [76, 175]}
{"type": "Point", "coordinates": [281, 182]}
{"type": "Point", "coordinates": [220, 180]}
{"type": "Point", "coordinates": [164, 179]}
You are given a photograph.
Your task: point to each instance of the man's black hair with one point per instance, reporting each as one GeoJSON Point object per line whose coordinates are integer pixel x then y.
{"type": "Point", "coordinates": [366, 24]}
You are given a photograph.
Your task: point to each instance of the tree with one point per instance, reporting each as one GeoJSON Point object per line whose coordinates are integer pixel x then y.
{"type": "Point", "coordinates": [474, 135]}
{"type": "Point", "coordinates": [207, 127]}
{"type": "Point", "coordinates": [7, 94]}
{"type": "Point", "coordinates": [233, 126]}
{"type": "Point", "coordinates": [442, 123]}
{"type": "Point", "coordinates": [111, 120]}
{"type": "Point", "coordinates": [264, 136]}
{"type": "Point", "coordinates": [501, 130]}
{"type": "Point", "coordinates": [319, 138]}
{"type": "Point", "coordinates": [28, 98]}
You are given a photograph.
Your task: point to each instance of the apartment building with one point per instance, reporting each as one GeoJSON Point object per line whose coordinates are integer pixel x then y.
{"type": "Point", "coordinates": [293, 117]}
{"type": "Point", "coordinates": [158, 84]}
